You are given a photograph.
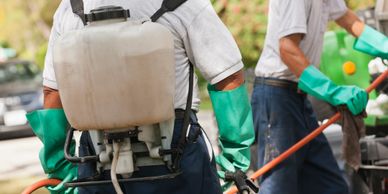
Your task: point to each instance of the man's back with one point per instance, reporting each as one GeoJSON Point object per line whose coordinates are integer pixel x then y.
{"type": "Point", "coordinates": [199, 37]}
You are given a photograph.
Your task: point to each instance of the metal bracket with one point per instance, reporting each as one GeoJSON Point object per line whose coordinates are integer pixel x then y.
{"type": "Point", "coordinates": [95, 181]}
{"type": "Point", "coordinates": [73, 159]}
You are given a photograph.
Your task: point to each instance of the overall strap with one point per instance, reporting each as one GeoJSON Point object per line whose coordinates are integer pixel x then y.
{"type": "Point", "coordinates": [167, 5]}
{"type": "Point", "coordinates": [78, 8]}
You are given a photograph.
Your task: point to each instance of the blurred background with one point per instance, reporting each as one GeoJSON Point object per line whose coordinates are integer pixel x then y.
{"type": "Point", "coordinates": [25, 26]}
{"type": "Point", "coordinates": [24, 32]}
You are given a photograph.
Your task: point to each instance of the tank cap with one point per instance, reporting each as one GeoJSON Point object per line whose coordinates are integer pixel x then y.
{"type": "Point", "coordinates": [349, 68]}
{"type": "Point", "coordinates": [107, 13]}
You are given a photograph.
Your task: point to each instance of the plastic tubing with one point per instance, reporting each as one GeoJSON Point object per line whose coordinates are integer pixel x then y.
{"type": "Point", "coordinates": [116, 153]}
{"type": "Point", "coordinates": [40, 184]}
{"type": "Point", "coordinates": [307, 139]}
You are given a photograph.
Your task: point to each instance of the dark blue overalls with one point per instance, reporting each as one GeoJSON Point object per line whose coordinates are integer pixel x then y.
{"type": "Point", "coordinates": [199, 173]}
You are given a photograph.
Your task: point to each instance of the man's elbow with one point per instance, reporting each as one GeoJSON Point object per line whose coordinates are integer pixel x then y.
{"type": "Point", "coordinates": [231, 82]}
{"type": "Point", "coordinates": [52, 99]}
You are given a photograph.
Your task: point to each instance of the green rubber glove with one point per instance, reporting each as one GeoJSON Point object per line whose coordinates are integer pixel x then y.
{"type": "Point", "coordinates": [236, 133]}
{"type": "Point", "coordinates": [313, 82]}
{"type": "Point", "coordinates": [50, 127]}
{"type": "Point", "coordinates": [372, 42]}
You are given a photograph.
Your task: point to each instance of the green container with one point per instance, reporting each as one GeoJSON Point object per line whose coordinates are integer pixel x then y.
{"type": "Point", "coordinates": [346, 66]}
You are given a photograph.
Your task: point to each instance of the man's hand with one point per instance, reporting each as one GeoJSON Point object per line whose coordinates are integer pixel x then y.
{"type": "Point", "coordinates": [369, 40]}
{"type": "Point", "coordinates": [51, 99]}
{"type": "Point", "coordinates": [313, 82]}
{"type": "Point", "coordinates": [234, 118]}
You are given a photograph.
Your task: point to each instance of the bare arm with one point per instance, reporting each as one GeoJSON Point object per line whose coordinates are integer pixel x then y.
{"type": "Point", "coordinates": [233, 81]}
{"type": "Point", "coordinates": [292, 55]}
{"type": "Point", "coordinates": [51, 98]}
{"type": "Point", "coordinates": [351, 23]}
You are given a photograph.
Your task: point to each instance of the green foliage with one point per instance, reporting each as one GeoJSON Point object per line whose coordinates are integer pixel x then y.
{"type": "Point", "coordinates": [25, 25]}
{"type": "Point", "coordinates": [247, 20]}
{"type": "Point", "coordinates": [40, 55]}
{"type": "Point", "coordinates": [357, 4]}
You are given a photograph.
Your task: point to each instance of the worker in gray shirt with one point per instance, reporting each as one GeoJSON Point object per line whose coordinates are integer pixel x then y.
{"type": "Point", "coordinates": [286, 71]}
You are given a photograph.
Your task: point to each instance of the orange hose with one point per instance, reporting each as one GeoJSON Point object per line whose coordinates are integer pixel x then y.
{"type": "Point", "coordinates": [307, 139]}
{"type": "Point", "coordinates": [40, 184]}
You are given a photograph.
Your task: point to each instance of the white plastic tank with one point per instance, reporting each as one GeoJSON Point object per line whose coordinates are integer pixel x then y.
{"type": "Point", "coordinates": [115, 74]}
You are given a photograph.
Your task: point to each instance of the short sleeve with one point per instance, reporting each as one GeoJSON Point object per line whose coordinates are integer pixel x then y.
{"type": "Point", "coordinates": [292, 17]}
{"type": "Point", "coordinates": [49, 79]}
{"type": "Point", "coordinates": [64, 21]}
{"type": "Point", "coordinates": [337, 8]}
{"type": "Point", "coordinates": [211, 47]}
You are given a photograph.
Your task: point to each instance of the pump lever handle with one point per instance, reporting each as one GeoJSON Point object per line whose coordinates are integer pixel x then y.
{"type": "Point", "coordinates": [242, 182]}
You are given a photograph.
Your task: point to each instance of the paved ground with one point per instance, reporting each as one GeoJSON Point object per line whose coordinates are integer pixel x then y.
{"type": "Point", "coordinates": [19, 165]}
{"type": "Point", "coordinates": [20, 158]}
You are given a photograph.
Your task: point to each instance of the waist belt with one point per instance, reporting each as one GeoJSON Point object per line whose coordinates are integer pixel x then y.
{"type": "Point", "coordinates": [278, 83]}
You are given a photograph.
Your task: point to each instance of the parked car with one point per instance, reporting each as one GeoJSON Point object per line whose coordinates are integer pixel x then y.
{"type": "Point", "coordinates": [20, 93]}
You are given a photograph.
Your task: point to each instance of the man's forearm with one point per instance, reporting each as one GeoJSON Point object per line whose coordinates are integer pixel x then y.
{"type": "Point", "coordinates": [292, 55]}
{"type": "Point", "coordinates": [351, 23]}
{"type": "Point", "coordinates": [51, 98]}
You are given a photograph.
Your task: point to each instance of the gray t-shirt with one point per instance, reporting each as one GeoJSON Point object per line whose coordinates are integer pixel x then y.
{"type": "Point", "coordinates": [286, 17]}
{"type": "Point", "coordinates": [199, 36]}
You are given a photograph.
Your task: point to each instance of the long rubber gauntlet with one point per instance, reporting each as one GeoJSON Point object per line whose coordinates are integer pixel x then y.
{"type": "Point", "coordinates": [236, 133]}
{"type": "Point", "coordinates": [50, 127]}
{"type": "Point", "coordinates": [313, 82]}
{"type": "Point", "coordinates": [373, 43]}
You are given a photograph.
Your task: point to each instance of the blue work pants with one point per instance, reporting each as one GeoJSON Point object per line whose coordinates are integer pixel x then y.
{"type": "Point", "coordinates": [282, 117]}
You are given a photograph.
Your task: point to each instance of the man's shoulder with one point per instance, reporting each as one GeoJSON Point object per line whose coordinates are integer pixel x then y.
{"type": "Point", "coordinates": [192, 8]}
{"type": "Point", "coordinates": [62, 8]}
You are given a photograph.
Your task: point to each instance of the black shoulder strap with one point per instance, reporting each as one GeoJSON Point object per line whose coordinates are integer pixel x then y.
{"type": "Point", "coordinates": [78, 8]}
{"type": "Point", "coordinates": [167, 5]}
{"type": "Point", "coordinates": [186, 122]}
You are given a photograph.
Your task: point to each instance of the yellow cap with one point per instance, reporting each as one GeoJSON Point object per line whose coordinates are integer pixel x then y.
{"type": "Point", "coordinates": [349, 67]}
